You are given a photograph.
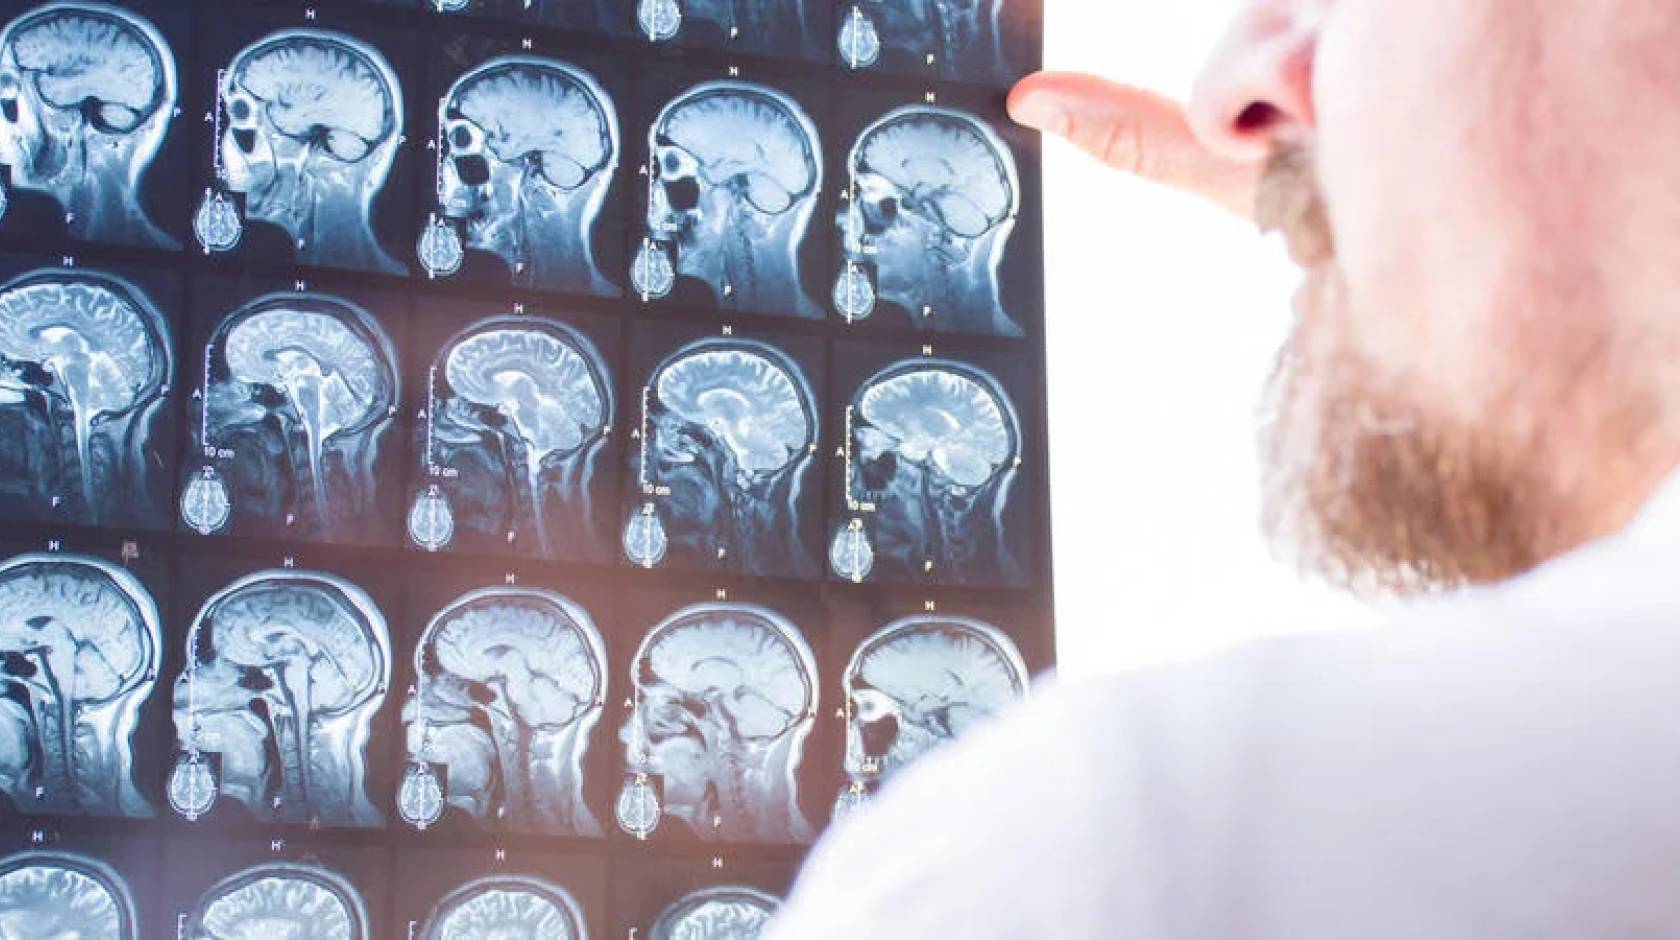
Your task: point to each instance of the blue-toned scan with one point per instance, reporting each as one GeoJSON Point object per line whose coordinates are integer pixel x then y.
{"type": "Point", "coordinates": [954, 39]}
{"type": "Point", "coordinates": [506, 907]}
{"type": "Point", "coordinates": [64, 894]}
{"type": "Point", "coordinates": [280, 899]}
{"type": "Point", "coordinates": [310, 124]}
{"type": "Point", "coordinates": [596, 16]}
{"type": "Point", "coordinates": [86, 362]}
{"type": "Point", "coordinates": [514, 429]}
{"type": "Point", "coordinates": [87, 94]}
{"type": "Point", "coordinates": [733, 175]}
{"type": "Point", "coordinates": [80, 648]}
{"type": "Point", "coordinates": [724, 697]}
{"type": "Point", "coordinates": [773, 27]}
{"type": "Point", "coordinates": [728, 436]}
{"type": "Point", "coordinates": [302, 389]}
{"type": "Point", "coordinates": [285, 671]}
{"type": "Point", "coordinates": [527, 150]}
{"type": "Point", "coordinates": [915, 684]}
{"type": "Point", "coordinates": [932, 198]}
{"type": "Point", "coordinates": [933, 448]}
{"type": "Point", "coordinates": [510, 682]}
{"type": "Point", "coordinates": [721, 912]}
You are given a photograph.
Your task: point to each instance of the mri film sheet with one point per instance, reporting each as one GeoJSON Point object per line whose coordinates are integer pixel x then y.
{"type": "Point", "coordinates": [88, 382]}
{"type": "Point", "coordinates": [936, 225]}
{"type": "Point", "coordinates": [91, 143]}
{"type": "Point", "coordinates": [932, 486]}
{"type": "Point", "coordinates": [512, 434]}
{"type": "Point", "coordinates": [724, 460]}
{"type": "Point", "coordinates": [993, 42]}
{"type": "Point", "coordinates": [599, 17]}
{"type": "Point", "coordinates": [467, 895]}
{"type": "Point", "coordinates": [297, 434]}
{"type": "Point", "coordinates": [308, 160]}
{"type": "Point", "coordinates": [527, 173]}
{"type": "Point", "coordinates": [787, 29]}
{"type": "Point", "coordinates": [733, 172]}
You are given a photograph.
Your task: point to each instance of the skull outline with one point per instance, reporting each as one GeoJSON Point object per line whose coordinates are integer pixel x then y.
{"type": "Point", "coordinates": [744, 910]}
{"type": "Point", "coordinates": [441, 926]}
{"type": "Point", "coordinates": [209, 915]}
{"type": "Point", "coordinates": [102, 732]}
{"type": "Point", "coordinates": [101, 202]}
{"type": "Point", "coordinates": [317, 184]}
{"type": "Point", "coordinates": [926, 246]}
{"type": "Point", "coordinates": [115, 900]}
{"type": "Point", "coordinates": [665, 725]}
{"type": "Point", "coordinates": [564, 810]}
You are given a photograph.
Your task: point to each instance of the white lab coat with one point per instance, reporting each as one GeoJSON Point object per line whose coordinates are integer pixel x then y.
{"type": "Point", "coordinates": [1499, 764]}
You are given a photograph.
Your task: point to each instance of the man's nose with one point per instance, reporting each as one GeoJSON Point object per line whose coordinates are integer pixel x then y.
{"type": "Point", "coordinates": [1256, 90]}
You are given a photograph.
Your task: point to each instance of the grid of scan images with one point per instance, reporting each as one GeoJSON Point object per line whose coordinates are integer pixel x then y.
{"type": "Point", "coordinates": [501, 468]}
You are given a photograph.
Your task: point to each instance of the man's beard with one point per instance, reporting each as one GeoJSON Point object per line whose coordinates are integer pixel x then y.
{"type": "Point", "coordinates": [1363, 485]}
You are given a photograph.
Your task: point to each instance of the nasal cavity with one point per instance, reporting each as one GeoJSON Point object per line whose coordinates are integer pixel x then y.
{"type": "Point", "coordinates": [245, 140]}
{"type": "Point", "coordinates": [474, 171]}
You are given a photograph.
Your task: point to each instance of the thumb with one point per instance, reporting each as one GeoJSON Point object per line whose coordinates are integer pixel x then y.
{"type": "Point", "coordinates": [1136, 131]}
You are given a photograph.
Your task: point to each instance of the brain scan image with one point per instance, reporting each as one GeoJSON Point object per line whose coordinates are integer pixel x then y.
{"type": "Point", "coordinates": [80, 644]}
{"type": "Point", "coordinates": [302, 389]}
{"type": "Point", "coordinates": [528, 148]}
{"type": "Point", "coordinates": [724, 697]}
{"type": "Point", "coordinates": [285, 671]}
{"type": "Point", "coordinates": [597, 16]}
{"type": "Point", "coordinates": [280, 899]}
{"type": "Point", "coordinates": [776, 27]}
{"type": "Point", "coordinates": [933, 449]}
{"type": "Point", "coordinates": [310, 125]}
{"type": "Point", "coordinates": [733, 174]}
{"type": "Point", "coordinates": [87, 94]}
{"type": "Point", "coordinates": [506, 907]}
{"type": "Point", "coordinates": [46, 894]}
{"type": "Point", "coordinates": [510, 684]}
{"type": "Point", "coordinates": [729, 434]}
{"type": "Point", "coordinates": [933, 195]}
{"type": "Point", "coordinates": [722, 912]}
{"type": "Point", "coordinates": [955, 39]}
{"type": "Point", "coordinates": [515, 431]}
{"type": "Point", "coordinates": [917, 683]}
{"type": "Point", "coordinates": [86, 362]}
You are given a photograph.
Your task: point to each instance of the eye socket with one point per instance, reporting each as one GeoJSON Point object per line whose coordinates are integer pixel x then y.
{"type": "Point", "coordinates": [464, 137]}
{"type": "Point", "coordinates": [343, 145]}
{"type": "Point", "coordinates": [676, 163]}
{"type": "Point", "coordinates": [241, 111]}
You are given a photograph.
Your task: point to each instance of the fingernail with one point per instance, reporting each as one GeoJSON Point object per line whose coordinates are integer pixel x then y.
{"type": "Point", "coordinates": [1040, 111]}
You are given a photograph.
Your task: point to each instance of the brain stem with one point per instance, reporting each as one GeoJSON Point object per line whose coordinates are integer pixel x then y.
{"type": "Point", "coordinates": [54, 721]}
{"type": "Point", "coordinates": [287, 711]}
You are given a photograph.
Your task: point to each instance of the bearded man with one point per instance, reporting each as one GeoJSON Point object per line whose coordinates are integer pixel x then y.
{"type": "Point", "coordinates": [1479, 408]}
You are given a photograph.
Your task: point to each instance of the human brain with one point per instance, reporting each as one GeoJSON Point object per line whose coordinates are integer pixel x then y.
{"type": "Point", "coordinates": [65, 319]}
{"type": "Point", "coordinates": [280, 903]}
{"type": "Point", "coordinates": [559, 399]}
{"type": "Point", "coordinates": [276, 341]}
{"type": "Point", "coordinates": [99, 641]}
{"type": "Point", "coordinates": [723, 913]}
{"type": "Point", "coordinates": [736, 130]}
{"type": "Point", "coordinates": [527, 108]}
{"type": "Point", "coordinates": [46, 898]}
{"type": "Point", "coordinates": [317, 80]}
{"type": "Point", "coordinates": [940, 415]}
{"type": "Point", "coordinates": [76, 54]}
{"type": "Point", "coordinates": [941, 156]}
{"type": "Point", "coordinates": [737, 655]}
{"type": "Point", "coordinates": [743, 397]}
{"type": "Point", "coordinates": [939, 663]}
{"type": "Point", "coordinates": [530, 642]}
{"type": "Point", "coordinates": [505, 909]}
{"type": "Point", "coordinates": [287, 622]}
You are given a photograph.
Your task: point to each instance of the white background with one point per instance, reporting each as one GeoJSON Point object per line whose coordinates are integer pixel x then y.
{"type": "Point", "coordinates": [1163, 316]}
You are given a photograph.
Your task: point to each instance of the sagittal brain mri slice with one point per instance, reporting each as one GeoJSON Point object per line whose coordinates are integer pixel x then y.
{"type": "Point", "coordinates": [956, 39]}
{"type": "Point", "coordinates": [733, 176]}
{"type": "Point", "coordinates": [64, 895]}
{"type": "Point", "coordinates": [915, 684]}
{"type": "Point", "coordinates": [515, 429]}
{"type": "Point", "coordinates": [724, 696]}
{"type": "Point", "coordinates": [302, 389]}
{"type": "Point", "coordinates": [311, 123]}
{"type": "Point", "coordinates": [280, 899]}
{"type": "Point", "coordinates": [80, 648]}
{"type": "Point", "coordinates": [722, 912]}
{"type": "Point", "coordinates": [510, 683]}
{"type": "Point", "coordinates": [86, 362]}
{"type": "Point", "coordinates": [285, 671]}
{"type": "Point", "coordinates": [933, 198]}
{"type": "Point", "coordinates": [87, 94]}
{"type": "Point", "coordinates": [933, 449]}
{"type": "Point", "coordinates": [729, 435]}
{"type": "Point", "coordinates": [776, 27]}
{"type": "Point", "coordinates": [506, 907]}
{"type": "Point", "coordinates": [528, 148]}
